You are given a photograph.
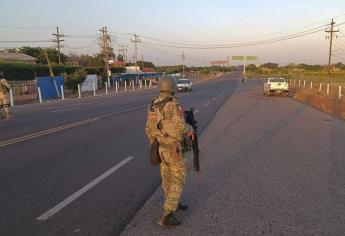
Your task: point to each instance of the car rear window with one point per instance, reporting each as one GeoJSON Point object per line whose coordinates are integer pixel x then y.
{"type": "Point", "coordinates": [277, 80]}
{"type": "Point", "coordinates": [183, 81]}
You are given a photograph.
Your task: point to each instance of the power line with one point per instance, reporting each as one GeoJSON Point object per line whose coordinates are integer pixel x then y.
{"type": "Point", "coordinates": [225, 45]}
{"type": "Point", "coordinates": [338, 45]}
{"type": "Point", "coordinates": [93, 44]}
{"type": "Point", "coordinates": [239, 45]}
{"type": "Point", "coordinates": [256, 36]}
{"type": "Point", "coordinates": [340, 40]}
{"type": "Point", "coordinates": [159, 50]}
{"type": "Point", "coordinates": [81, 36]}
{"type": "Point", "coordinates": [26, 41]}
{"type": "Point", "coordinates": [26, 27]}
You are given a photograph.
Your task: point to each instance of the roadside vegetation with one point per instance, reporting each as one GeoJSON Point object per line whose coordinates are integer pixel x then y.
{"type": "Point", "coordinates": [72, 64]}
{"type": "Point", "coordinates": [316, 73]}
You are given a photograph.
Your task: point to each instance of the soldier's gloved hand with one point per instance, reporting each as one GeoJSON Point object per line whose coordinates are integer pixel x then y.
{"type": "Point", "coordinates": [190, 134]}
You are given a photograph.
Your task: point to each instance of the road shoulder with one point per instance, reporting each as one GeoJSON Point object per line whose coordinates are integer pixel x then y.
{"type": "Point", "coordinates": [266, 170]}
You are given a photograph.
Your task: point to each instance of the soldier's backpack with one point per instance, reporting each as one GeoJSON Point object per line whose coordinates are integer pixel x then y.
{"type": "Point", "coordinates": [155, 117]}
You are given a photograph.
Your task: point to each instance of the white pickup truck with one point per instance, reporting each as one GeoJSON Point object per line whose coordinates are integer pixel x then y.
{"type": "Point", "coordinates": [184, 85]}
{"type": "Point", "coordinates": [276, 86]}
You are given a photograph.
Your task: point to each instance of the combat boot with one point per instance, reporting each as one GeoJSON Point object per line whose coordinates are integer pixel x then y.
{"type": "Point", "coordinates": [182, 207]}
{"type": "Point", "coordinates": [169, 221]}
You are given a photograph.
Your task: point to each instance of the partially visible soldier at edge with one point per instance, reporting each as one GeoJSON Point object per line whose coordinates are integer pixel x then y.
{"type": "Point", "coordinates": [4, 89]}
{"type": "Point", "coordinates": [166, 123]}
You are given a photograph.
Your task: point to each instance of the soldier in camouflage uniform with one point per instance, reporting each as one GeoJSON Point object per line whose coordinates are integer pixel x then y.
{"type": "Point", "coordinates": [4, 89]}
{"type": "Point", "coordinates": [166, 123]}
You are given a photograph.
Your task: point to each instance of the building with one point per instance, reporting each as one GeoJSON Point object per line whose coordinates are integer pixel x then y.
{"type": "Point", "coordinates": [17, 57]}
{"type": "Point", "coordinates": [149, 69]}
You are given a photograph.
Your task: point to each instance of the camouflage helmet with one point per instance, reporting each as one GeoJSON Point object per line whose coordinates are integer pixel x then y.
{"type": "Point", "coordinates": [167, 84]}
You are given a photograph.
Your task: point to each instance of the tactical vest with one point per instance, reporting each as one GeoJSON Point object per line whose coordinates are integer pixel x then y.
{"type": "Point", "coordinates": [155, 117]}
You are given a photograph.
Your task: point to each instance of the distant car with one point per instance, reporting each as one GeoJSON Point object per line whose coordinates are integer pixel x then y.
{"type": "Point", "coordinates": [276, 86]}
{"type": "Point", "coordinates": [184, 85]}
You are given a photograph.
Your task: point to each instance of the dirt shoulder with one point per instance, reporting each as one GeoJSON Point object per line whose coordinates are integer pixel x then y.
{"type": "Point", "coordinates": [321, 102]}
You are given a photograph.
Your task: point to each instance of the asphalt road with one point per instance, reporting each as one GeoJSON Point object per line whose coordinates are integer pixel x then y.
{"type": "Point", "coordinates": [270, 166]}
{"type": "Point", "coordinates": [81, 166]}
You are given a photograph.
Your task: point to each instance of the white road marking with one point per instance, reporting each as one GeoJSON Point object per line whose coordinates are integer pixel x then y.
{"type": "Point", "coordinates": [103, 103]}
{"type": "Point", "coordinates": [122, 111]}
{"type": "Point", "coordinates": [67, 109]}
{"type": "Point", "coordinates": [206, 104]}
{"type": "Point", "coordinates": [45, 132]}
{"type": "Point", "coordinates": [214, 99]}
{"type": "Point", "coordinates": [83, 190]}
{"type": "Point", "coordinates": [63, 127]}
{"type": "Point", "coordinates": [196, 111]}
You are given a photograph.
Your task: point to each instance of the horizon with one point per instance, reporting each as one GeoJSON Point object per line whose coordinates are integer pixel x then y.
{"type": "Point", "coordinates": [159, 23]}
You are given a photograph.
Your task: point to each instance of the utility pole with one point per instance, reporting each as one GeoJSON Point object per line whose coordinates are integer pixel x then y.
{"type": "Point", "coordinates": [142, 62]}
{"type": "Point", "coordinates": [105, 42]}
{"type": "Point", "coordinates": [58, 41]}
{"type": "Point", "coordinates": [123, 52]}
{"type": "Point", "coordinates": [136, 40]}
{"type": "Point", "coordinates": [183, 63]}
{"type": "Point", "coordinates": [331, 32]}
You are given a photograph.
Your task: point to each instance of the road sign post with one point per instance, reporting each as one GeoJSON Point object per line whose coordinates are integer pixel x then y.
{"type": "Point", "coordinates": [244, 59]}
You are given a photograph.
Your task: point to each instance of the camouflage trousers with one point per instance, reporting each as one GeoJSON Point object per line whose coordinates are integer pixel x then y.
{"type": "Point", "coordinates": [4, 101]}
{"type": "Point", "coordinates": [173, 173]}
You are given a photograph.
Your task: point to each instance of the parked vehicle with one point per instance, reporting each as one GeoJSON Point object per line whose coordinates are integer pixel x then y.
{"type": "Point", "coordinates": [276, 86]}
{"type": "Point", "coordinates": [184, 85]}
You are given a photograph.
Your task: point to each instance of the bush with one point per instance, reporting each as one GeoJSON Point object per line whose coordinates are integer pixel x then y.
{"type": "Point", "coordinates": [23, 71]}
{"type": "Point", "coordinates": [72, 80]}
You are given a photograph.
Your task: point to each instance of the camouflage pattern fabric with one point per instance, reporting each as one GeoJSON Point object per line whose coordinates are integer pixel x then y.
{"type": "Point", "coordinates": [170, 118]}
{"type": "Point", "coordinates": [4, 87]}
{"type": "Point", "coordinates": [173, 173]}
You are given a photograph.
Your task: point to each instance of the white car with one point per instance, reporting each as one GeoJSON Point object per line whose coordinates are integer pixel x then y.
{"type": "Point", "coordinates": [276, 85]}
{"type": "Point", "coordinates": [184, 85]}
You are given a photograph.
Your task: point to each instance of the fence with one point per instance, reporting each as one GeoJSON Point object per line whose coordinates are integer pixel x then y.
{"type": "Point", "coordinates": [24, 91]}
{"type": "Point", "coordinates": [334, 90]}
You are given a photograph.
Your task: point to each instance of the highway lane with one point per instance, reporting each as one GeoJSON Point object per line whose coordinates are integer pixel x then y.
{"type": "Point", "coordinates": [271, 166]}
{"type": "Point", "coordinates": [38, 174]}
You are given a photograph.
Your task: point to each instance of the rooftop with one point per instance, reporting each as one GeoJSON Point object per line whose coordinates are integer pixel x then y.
{"type": "Point", "coordinates": [16, 57]}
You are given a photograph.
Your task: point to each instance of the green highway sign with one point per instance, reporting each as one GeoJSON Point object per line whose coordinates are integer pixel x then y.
{"type": "Point", "coordinates": [251, 58]}
{"type": "Point", "coordinates": [237, 58]}
{"type": "Point", "coordinates": [247, 58]}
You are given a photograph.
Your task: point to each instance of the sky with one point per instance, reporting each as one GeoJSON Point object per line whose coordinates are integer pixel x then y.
{"type": "Point", "coordinates": [190, 22]}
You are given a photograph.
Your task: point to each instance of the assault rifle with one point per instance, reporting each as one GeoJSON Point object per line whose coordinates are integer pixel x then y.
{"type": "Point", "coordinates": [189, 117]}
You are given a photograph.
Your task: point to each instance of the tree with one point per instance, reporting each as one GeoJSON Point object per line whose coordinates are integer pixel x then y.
{"type": "Point", "coordinates": [10, 50]}
{"type": "Point", "coordinates": [339, 65]}
{"type": "Point", "coordinates": [146, 64]}
{"type": "Point", "coordinates": [35, 52]}
{"type": "Point", "coordinates": [91, 61]}
{"type": "Point", "coordinates": [120, 57]}
{"type": "Point", "coordinates": [38, 53]}
{"type": "Point", "coordinates": [252, 67]}
{"type": "Point", "coordinates": [270, 65]}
